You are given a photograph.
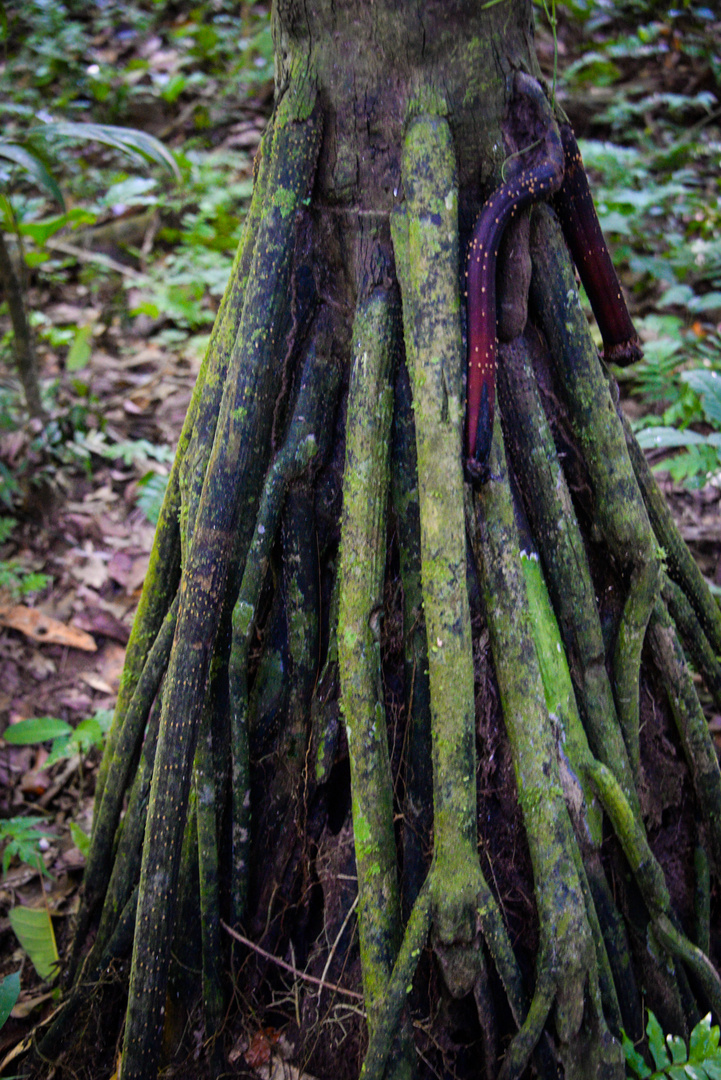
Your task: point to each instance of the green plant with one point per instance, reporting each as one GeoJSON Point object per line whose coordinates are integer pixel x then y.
{"type": "Point", "coordinates": [33, 928]}
{"type": "Point", "coordinates": [17, 581]}
{"type": "Point", "coordinates": [20, 838]}
{"type": "Point", "coordinates": [693, 394]}
{"type": "Point", "coordinates": [66, 740]}
{"type": "Point", "coordinates": [9, 993]}
{"type": "Point", "coordinates": [701, 1060]}
{"type": "Point", "coordinates": [30, 156]}
{"type": "Point", "coordinates": [151, 492]}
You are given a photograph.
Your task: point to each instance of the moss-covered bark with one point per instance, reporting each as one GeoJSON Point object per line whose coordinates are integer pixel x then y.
{"type": "Point", "coordinates": [338, 713]}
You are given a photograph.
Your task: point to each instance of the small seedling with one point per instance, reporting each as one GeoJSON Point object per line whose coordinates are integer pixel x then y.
{"type": "Point", "coordinates": [66, 740]}
{"type": "Point", "coordinates": [21, 839]}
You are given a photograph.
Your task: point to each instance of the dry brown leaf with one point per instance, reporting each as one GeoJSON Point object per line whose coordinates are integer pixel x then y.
{"type": "Point", "coordinates": [39, 627]}
{"type": "Point", "coordinates": [27, 1005]}
{"type": "Point", "coordinates": [92, 571]}
{"type": "Point", "coordinates": [96, 683]}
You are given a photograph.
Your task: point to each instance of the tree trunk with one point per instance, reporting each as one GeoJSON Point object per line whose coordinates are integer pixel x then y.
{"type": "Point", "coordinates": [363, 695]}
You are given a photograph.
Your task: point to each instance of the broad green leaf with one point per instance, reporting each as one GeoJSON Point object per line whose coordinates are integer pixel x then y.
{"type": "Point", "coordinates": [135, 191]}
{"type": "Point", "coordinates": [33, 166]}
{"type": "Point", "coordinates": [81, 349]}
{"type": "Point", "coordinates": [80, 839]}
{"type": "Point", "coordinates": [36, 258]}
{"type": "Point", "coordinates": [704, 1039]}
{"type": "Point", "coordinates": [34, 930]}
{"type": "Point", "coordinates": [20, 837]}
{"type": "Point", "coordinates": [679, 295]}
{"type": "Point", "coordinates": [152, 490]}
{"type": "Point", "coordinates": [710, 301]}
{"type": "Point", "coordinates": [61, 749]}
{"type": "Point", "coordinates": [82, 739]}
{"type": "Point", "coordinates": [130, 141]}
{"type": "Point", "coordinates": [104, 719]}
{"type": "Point", "coordinates": [9, 993]}
{"type": "Point", "coordinates": [40, 231]}
{"type": "Point", "coordinates": [678, 1049]}
{"type": "Point", "coordinates": [614, 222]}
{"type": "Point", "coordinates": [712, 1067]}
{"type": "Point", "coordinates": [708, 385]}
{"type": "Point", "coordinates": [633, 1058]}
{"type": "Point", "coordinates": [667, 438]}
{"type": "Point", "coordinates": [38, 729]}
{"type": "Point", "coordinates": [656, 1043]}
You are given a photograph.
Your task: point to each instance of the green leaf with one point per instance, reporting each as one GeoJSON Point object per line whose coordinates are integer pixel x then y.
{"type": "Point", "coordinates": [134, 191]}
{"type": "Point", "coordinates": [656, 1043]}
{"type": "Point", "coordinates": [152, 490]}
{"type": "Point", "coordinates": [136, 144]}
{"type": "Point", "coordinates": [34, 930]}
{"type": "Point", "coordinates": [9, 993]}
{"type": "Point", "coordinates": [36, 258]}
{"type": "Point", "coordinates": [667, 438]}
{"type": "Point", "coordinates": [87, 734]}
{"type": "Point", "coordinates": [20, 837]}
{"type": "Point", "coordinates": [59, 751]}
{"type": "Point", "coordinates": [695, 1072]}
{"type": "Point", "coordinates": [38, 729]}
{"type": "Point", "coordinates": [34, 166]}
{"type": "Point", "coordinates": [707, 385]}
{"type": "Point", "coordinates": [704, 1040]}
{"type": "Point", "coordinates": [81, 349]}
{"type": "Point", "coordinates": [678, 1049]}
{"type": "Point", "coordinates": [80, 839]}
{"type": "Point", "coordinates": [104, 718]}
{"type": "Point", "coordinates": [41, 231]}
{"type": "Point", "coordinates": [177, 83]}
{"type": "Point", "coordinates": [677, 295]}
{"type": "Point", "coordinates": [633, 1058]}
{"type": "Point", "coordinates": [710, 301]}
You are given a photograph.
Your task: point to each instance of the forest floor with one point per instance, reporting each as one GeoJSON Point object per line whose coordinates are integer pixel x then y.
{"type": "Point", "coordinates": [80, 522]}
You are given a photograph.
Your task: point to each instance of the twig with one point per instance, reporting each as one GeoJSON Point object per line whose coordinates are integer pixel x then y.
{"type": "Point", "coordinates": [331, 954]}
{"type": "Point", "coordinates": [289, 967]}
{"type": "Point", "coordinates": [93, 257]}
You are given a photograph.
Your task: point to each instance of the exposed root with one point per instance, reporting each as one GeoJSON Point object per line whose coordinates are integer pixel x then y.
{"type": "Point", "coordinates": [306, 435]}
{"type": "Point", "coordinates": [418, 775]}
{"type": "Point", "coordinates": [362, 563]}
{"type": "Point", "coordinates": [234, 475]}
{"type": "Point", "coordinates": [566, 971]}
{"type": "Point", "coordinates": [619, 514]}
{"type": "Point", "coordinates": [558, 535]}
{"type": "Point", "coordinates": [651, 883]}
{"type": "Point", "coordinates": [691, 725]}
{"type": "Point", "coordinates": [695, 642]}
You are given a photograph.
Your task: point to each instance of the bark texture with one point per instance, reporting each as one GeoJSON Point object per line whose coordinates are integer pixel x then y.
{"type": "Point", "coordinates": [413, 771]}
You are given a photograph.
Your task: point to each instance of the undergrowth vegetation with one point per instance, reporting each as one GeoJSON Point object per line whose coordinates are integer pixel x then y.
{"type": "Point", "coordinates": [652, 77]}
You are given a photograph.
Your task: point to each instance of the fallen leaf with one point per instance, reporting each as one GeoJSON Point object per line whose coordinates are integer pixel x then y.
{"type": "Point", "coordinates": [27, 1005]}
{"type": "Point", "coordinates": [98, 621]}
{"type": "Point", "coordinates": [34, 624]}
{"type": "Point", "coordinates": [96, 683]}
{"type": "Point", "coordinates": [260, 1049]}
{"type": "Point", "coordinates": [93, 572]}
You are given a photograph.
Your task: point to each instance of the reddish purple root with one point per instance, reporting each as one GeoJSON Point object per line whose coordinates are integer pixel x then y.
{"type": "Point", "coordinates": [574, 205]}
{"type": "Point", "coordinates": [528, 187]}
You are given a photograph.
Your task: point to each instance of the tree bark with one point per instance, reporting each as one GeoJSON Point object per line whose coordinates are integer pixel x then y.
{"type": "Point", "coordinates": [432, 744]}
